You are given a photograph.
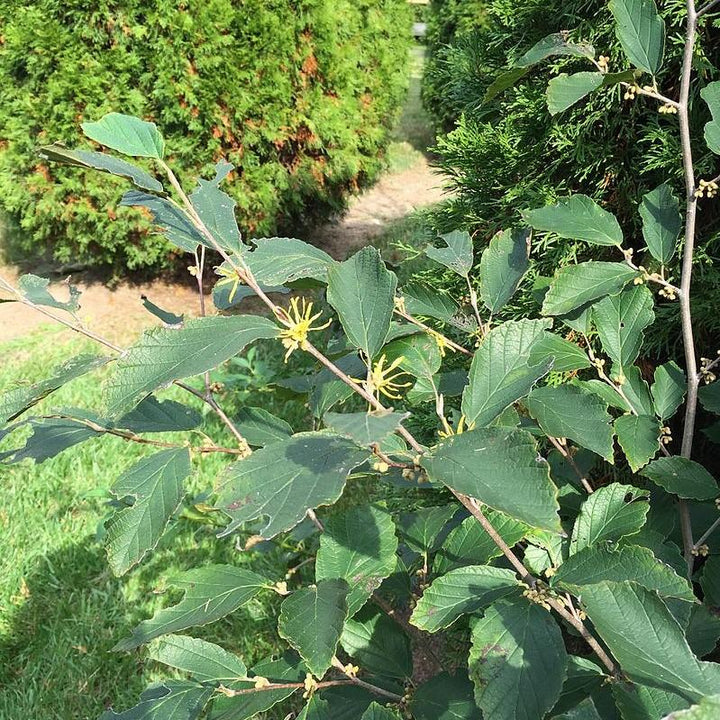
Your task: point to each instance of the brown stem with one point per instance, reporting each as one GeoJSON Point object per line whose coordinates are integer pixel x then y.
{"type": "Point", "coordinates": [228, 692]}
{"type": "Point", "coordinates": [566, 454]}
{"type": "Point", "coordinates": [419, 323]}
{"type": "Point", "coordinates": [707, 534]}
{"type": "Point", "coordinates": [361, 683]}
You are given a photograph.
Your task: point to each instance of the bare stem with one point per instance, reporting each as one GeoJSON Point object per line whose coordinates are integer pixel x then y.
{"type": "Point", "coordinates": [707, 534]}
{"type": "Point", "coordinates": [418, 323]}
{"type": "Point", "coordinates": [361, 683]}
{"type": "Point", "coordinates": [563, 450]}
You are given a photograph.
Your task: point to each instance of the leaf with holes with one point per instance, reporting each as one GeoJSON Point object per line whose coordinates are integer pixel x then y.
{"type": "Point", "coordinates": [552, 45]}
{"type": "Point", "coordinates": [458, 253]}
{"type": "Point", "coordinates": [35, 289]}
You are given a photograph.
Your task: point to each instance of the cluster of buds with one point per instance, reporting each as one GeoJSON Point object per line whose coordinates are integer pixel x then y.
{"type": "Point", "coordinates": [603, 63]}
{"type": "Point", "coordinates": [619, 378]}
{"type": "Point", "coordinates": [707, 188]}
{"type": "Point", "coordinates": [538, 595]}
{"type": "Point", "coordinates": [261, 682]}
{"type": "Point", "coordinates": [310, 686]}
{"type": "Point", "coordinates": [667, 109]}
{"type": "Point", "coordinates": [409, 474]}
{"type": "Point", "coordinates": [705, 370]}
{"type": "Point", "coordinates": [381, 466]}
{"type": "Point", "coordinates": [701, 551]}
{"type": "Point", "coordinates": [665, 435]}
{"type": "Point", "coordinates": [599, 363]}
{"type": "Point", "coordinates": [668, 293]}
{"type": "Point", "coordinates": [579, 614]}
{"type": "Point", "coordinates": [631, 92]}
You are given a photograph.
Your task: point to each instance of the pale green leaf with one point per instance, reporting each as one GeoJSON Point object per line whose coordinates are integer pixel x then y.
{"type": "Point", "coordinates": [577, 285]}
{"type": "Point", "coordinates": [517, 661]}
{"type": "Point", "coordinates": [102, 162]}
{"type": "Point", "coordinates": [500, 372]}
{"type": "Point", "coordinates": [682, 477]}
{"type": "Point", "coordinates": [610, 513]}
{"type": "Point", "coordinates": [312, 619]}
{"type": "Point", "coordinates": [638, 436]}
{"type": "Point", "coordinates": [285, 479]}
{"type": "Point", "coordinates": [276, 261]}
{"type": "Point", "coordinates": [421, 299]}
{"type": "Point", "coordinates": [711, 95]}
{"type": "Point", "coordinates": [641, 32]}
{"type": "Point", "coordinates": [552, 45]}
{"type": "Point", "coordinates": [170, 700]}
{"type": "Point", "coordinates": [418, 355]}
{"type": "Point", "coordinates": [365, 428]}
{"type": "Point", "coordinates": [567, 356]}
{"type": "Point", "coordinates": [501, 468]}
{"type": "Point", "coordinates": [359, 546]}
{"type": "Point", "coordinates": [627, 562]}
{"type": "Point", "coordinates": [205, 661]}
{"type": "Point", "coordinates": [577, 217]}
{"type": "Point", "coordinates": [662, 222]}
{"type": "Point", "coordinates": [210, 592]}
{"type": "Point", "coordinates": [668, 390]}
{"type": "Point", "coordinates": [646, 640]}
{"type": "Point", "coordinates": [462, 591]}
{"type": "Point", "coordinates": [362, 291]}
{"type": "Point", "coordinates": [707, 709]}
{"type": "Point", "coordinates": [703, 630]}
{"type": "Point", "coordinates": [378, 644]}
{"type": "Point", "coordinates": [445, 697]}
{"type": "Point", "coordinates": [126, 134]}
{"type": "Point", "coordinates": [502, 266]}
{"type": "Point", "coordinates": [151, 492]}
{"type": "Point", "coordinates": [640, 702]}
{"type": "Point", "coordinates": [566, 411]}
{"type": "Point", "coordinates": [458, 253]}
{"type": "Point", "coordinates": [163, 355]}
{"type": "Point", "coordinates": [565, 90]}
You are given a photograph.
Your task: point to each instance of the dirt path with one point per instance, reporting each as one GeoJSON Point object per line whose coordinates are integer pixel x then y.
{"type": "Point", "coordinates": [118, 313]}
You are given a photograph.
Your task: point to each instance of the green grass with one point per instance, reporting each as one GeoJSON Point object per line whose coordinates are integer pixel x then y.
{"type": "Point", "coordinates": [60, 608]}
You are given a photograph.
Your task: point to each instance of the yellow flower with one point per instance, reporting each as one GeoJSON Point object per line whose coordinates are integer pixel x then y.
{"type": "Point", "coordinates": [462, 426]}
{"type": "Point", "coordinates": [301, 319]}
{"type": "Point", "coordinates": [228, 276]}
{"type": "Point", "coordinates": [441, 341]}
{"type": "Point", "coordinates": [382, 380]}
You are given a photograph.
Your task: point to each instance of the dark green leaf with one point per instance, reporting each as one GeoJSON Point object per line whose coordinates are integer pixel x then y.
{"type": "Point", "coordinates": [504, 81]}
{"type": "Point", "coordinates": [577, 217]}
{"type": "Point", "coordinates": [35, 289]}
{"type": "Point", "coordinates": [703, 630]}
{"type": "Point", "coordinates": [378, 712]}
{"type": "Point", "coordinates": [420, 529]}
{"type": "Point", "coordinates": [458, 253]}
{"type": "Point", "coordinates": [312, 619]}
{"type": "Point", "coordinates": [668, 390]}
{"type": "Point", "coordinates": [211, 593]}
{"type": "Point", "coordinates": [640, 702]}
{"type": "Point", "coordinates": [50, 437]}
{"type": "Point", "coordinates": [445, 697]}
{"type": "Point", "coordinates": [154, 486]}
{"type": "Point", "coordinates": [284, 480]}
{"type": "Point", "coordinates": [707, 709]}
{"type": "Point", "coordinates": [259, 427]}
{"type": "Point", "coordinates": [316, 709]}
{"type": "Point", "coordinates": [362, 291]}
{"type": "Point", "coordinates": [153, 415]}
{"type": "Point", "coordinates": [682, 477]}
{"type": "Point", "coordinates": [585, 710]}
{"type": "Point", "coordinates": [502, 266]}
{"type": "Point", "coordinates": [501, 468]}
{"type": "Point", "coordinates": [565, 90]}
{"type": "Point", "coordinates": [170, 700]}
{"type": "Point", "coordinates": [710, 581]}
{"type": "Point", "coordinates": [418, 355]}
{"type": "Point", "coordinates": [164, 316]}
{"type": "Point", "coordinates": [660, 212]}
{"type": "Point", "coordinates": [551, 45]}
{"type": "Point", "coordinates": [126, 134]}
{"type": "Point", "coordinates": [638, 436]}
{"type": "Point", "coordinates": [641, 32]}
{"type": "Point", "coordinates": [421, 299]}
{"type": "Point", "coordinates": [710, 397]}
{"type": "Point", "coordinates": [276, 261]}
{"type": "Point", "coordinates": [567, 356]}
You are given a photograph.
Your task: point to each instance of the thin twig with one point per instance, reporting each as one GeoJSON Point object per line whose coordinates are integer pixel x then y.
{"type": "Point", "coordinates": [229, 692]}
{"type": "Point", "coordinates": [707, 534]}
{"type": "Point", "coordinates": [419, 323]}
{"type": "Point", "coordinates": [368, 686]}
{"type": "Point", "coordinates": [566, 454]}
{"type": "Point", "coordinates": [706, 8]}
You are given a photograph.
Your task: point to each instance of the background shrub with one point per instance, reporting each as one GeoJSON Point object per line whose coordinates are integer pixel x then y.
{"type": "Point", "coordinates": [298, 94]}
{"type": "Point", "coordinates": [510, 155]}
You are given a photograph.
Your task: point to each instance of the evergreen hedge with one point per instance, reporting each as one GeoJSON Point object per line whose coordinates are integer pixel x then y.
{"type": "Point", "coordinates": [298, 94]}
{"type": "Point", "coordinates": [509, 154]}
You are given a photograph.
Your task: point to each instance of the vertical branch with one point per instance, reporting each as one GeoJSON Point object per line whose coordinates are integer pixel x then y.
{"type": "Point", "coordinates": [687, 268]}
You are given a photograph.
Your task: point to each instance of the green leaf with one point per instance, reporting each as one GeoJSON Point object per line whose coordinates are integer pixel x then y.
{"type": "Point", "coordinates": [641, 32]}
{"type": "Point", "coordinates": [460, 592]}
{"type": "Point", "coordinates": [284, 480]}
{"type": "Point", "coordinates": [259, 427]}
{"type": "Point", "coordinates": [164, 316]}
{"type": "Point", "coordinates": [312, 619]}
{"type": "Point", "coordinates": [640, 702]}
{"type": "Point", "coordinates": [710, 397]}
{"type": "Point", "coordinates": [585, 710]}
{"type": "Point", "coordinates": [566, 411]}
{"type": "Point", "coordinates": [517, 661]}
{"type": "Point", "coordinates": [646, 639]}
{"type": "Point", "coordinates": [577, 285]}
{"type": "Point", "coordinates": [171, 219]}
{"type": "Point", "coordinates": [362, 291]}
{"type": "Point", "coordinates": [620, 321]}
{"type": "Point", "coordinates": [567, 356]}
{"type": "Point", "coordinates": [469, 543]}
{"type": "Point", "coordinates": [662, 222]}
{"type": "Point", "coordinates": [501, 468]}
{"type": "Point", "coordinates": [17, 400]}
{"type": "Point", "coordinates": [707, 709]}
{"type": "Point", "coordinates": [205, 661]}
{"type": "Point", "coordinates": [636, 390]}
{"type": "Point", "coordinates": [170, 700]}
{"type": "Point", "coordinates": [627, 562]}
{"type": "Point", "coordinates": [276, 261]}
{"type": "Point", "coordinates": [710, 581]}
{"type": "Point", "coordinates": [638, 436]}
{"type": "Point", "coordinates": [166, 354]}
{"type": "Point", "coordinates": [668, 390]}
{"type": "Point", "coordinates": [421, 299]}
{"type": "Point", "coordinates": [577, 217]}
{"type": "Point", "coordinates": [316, 709]}
{"type": "Point", "coordinates": [565, 90]}
{"type": "Point", "coordinates": [610, 513]}
{"type": "Point", "coordinates": [154, 416]}
{"type": "Point", "coordinates": [328, 390]}
{"type": "Point", "coordinates": [445, 697]}
{"type": "Point", "coordinates": [154, 488]}
{"type": "Point", "coordinates": [102, 162]}
{"type": "Point", "coordinates": [378, 712]}
{"type": "Point", "coordinates": [378, 644]}
{"type": "Point", "coordinates": [703, 630]}
{"type": "Point", "coordinates": [216, 209]}
{"type": "Point", "coordinates": [126, 134]}
{"type": "Point", "coordinates": [359, 546]}
{"type": "Point", "coordinates": [551, 45]}
{"type": "Point", "coordinates": [500, 372]}
{"type": "Point", "coordinates": [50, 437]}
{"type": "Point", "coordinates": [458, 253]}
{"type": "Point", "coordinates": [210, 592]}
{"type": "Point", "coordinates": [502, 266]}
{"type": "Point", "coordinates": [504, 81]}
{"type": "Point", "coordinates": [682, 477]}
{"type": "Point", "coordinates": [35, 289]}
{"type": "Point", "coordinates": [419, 355]}
{"type": "Point", "coordinates": [711, 95]}
{"type": "Point", "coordinates": [420, 529]}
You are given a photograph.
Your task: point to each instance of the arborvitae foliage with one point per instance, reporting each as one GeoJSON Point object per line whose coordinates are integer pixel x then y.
{"type": "Point", "coordinates": [510, 154]}
{"type": "Point", "coordinates": [298, 95]}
